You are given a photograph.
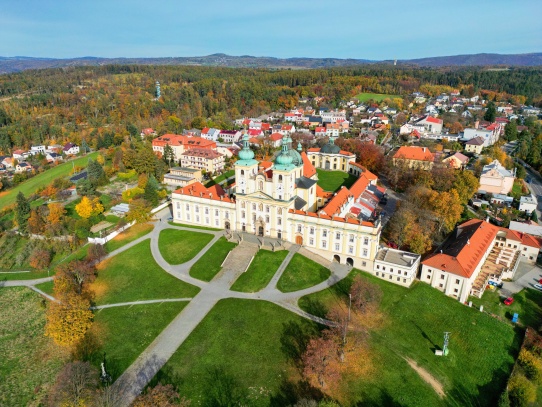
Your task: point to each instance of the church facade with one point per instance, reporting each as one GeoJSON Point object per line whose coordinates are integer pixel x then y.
{"type": "Point", "coordinates": [281, 199]}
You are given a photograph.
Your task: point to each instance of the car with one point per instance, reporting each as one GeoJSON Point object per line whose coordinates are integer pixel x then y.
{"type": "Point", "coordinates": [540, 281]}
{"type": "Point", "coordinates": [538, 286]}
{"type": "Point", "coordinates": [170, 218]}
{"type": "Point", "coordinates": [508, 301]}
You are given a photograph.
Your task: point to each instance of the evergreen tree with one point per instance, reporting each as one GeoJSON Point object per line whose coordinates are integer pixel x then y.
{"type": "Point", "coordinates": [96, 173]}
{"type": "Point", "coordinates": [169, 155]}
{"type": "Point", "coordinates": [22, 212]}
{"type": "Point", "coordinates": [132, 129]}
{"type": "Point", "coordinates": [84, 146]}
{"type": "Point", "coordinates": [84, 187]}
{"type": "Point", "coordinates": [491, 112]}
{"type": "Point", "coordinates": [511, 131]}
{"type": "Point", "coordinates": [151, 193]}
{"type": "Point", "coordinates": [534, 217]}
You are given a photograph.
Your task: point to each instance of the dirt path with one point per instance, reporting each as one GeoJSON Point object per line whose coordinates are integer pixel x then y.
{"type": "Point", "coordinates": [427, 377]}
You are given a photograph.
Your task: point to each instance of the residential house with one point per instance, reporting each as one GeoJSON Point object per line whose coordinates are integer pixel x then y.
{"type": "Point", "coordinates": [496, 179]}
{"type": "Point", "coordinates": [180, 144]}
{"type": "Point", "coordinates": [476, 253]}
{"type": "Point", "coordinates": [54, 148]}
{"type": "Point", "coordinates": [528, 204]}
{"type": "Point", "coordinates": [53, 157]}
{"type": "Point", "coordinates": [275, 139]}
{"type": "Point", "coordinates": [431, 124]}
{"type": "Point", "coordinates": [70, 149]}
{"type": "Point", "coordinates": [203, 159]}
{"type": "Point", "coordinates": [210, 133]}
{"type": "Point", "coordinates": [23, 167]}
{"type": "Point", "coordinates": [182, 176]}
{"type": "Point", "coordinates": [456, 160]}
{"type": "Point", "coordinates": [396, 266]}
{"type": "Point", "coordinates": [229, 136]}
{"type": "Point", "coordinates": [19, 154]}
{"type": "Point", "coordinates": [475, 145]}
{"type": "Point", "coordinates": [35, 150]}
{"type": "Point", "coordinates": [320, 131]}
{"type": "Point", "coordinates": [333, 116]}
{"type": "Point", "coordinates": [490, 135]}
{"type": "Point", "coordinates": [147, 132]}
{"type": "Point", "coordinates": [286, 129]}
{"type": "Point", "coordinates": [8, 162]}
{"type": "Point", "coordinates": [415, 157]}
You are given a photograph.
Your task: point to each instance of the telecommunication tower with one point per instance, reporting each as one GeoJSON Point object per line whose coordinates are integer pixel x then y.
{"type": "Point", "coordinates": [158, 94]}
{"type": "Point", "coordinates": [446, 340]}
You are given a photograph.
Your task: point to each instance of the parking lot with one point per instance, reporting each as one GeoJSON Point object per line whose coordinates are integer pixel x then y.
{"type": "Point", "coordinates": [527, 276]}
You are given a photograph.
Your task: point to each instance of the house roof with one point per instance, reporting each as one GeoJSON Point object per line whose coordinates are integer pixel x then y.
{"type": "Point", "coordinates": [414, 153]}
{"type": "Point", "coordinates": [477, 141]}
{"type": "Point", "coordinates": [197, 189]}
{"type": "Point", "coordinates": [186, 141]}
{"type": "Point", "coordinates": [461, 157]}
{"type": "Point", "coordinates": [308, 168]}
{"type": "Point", "coordinates": [275, 137]}
{"type": "Point", "coordinates": [335, 204]}
{"type": "Point", "coordinates": [202, 152]}
{"type": "Point", "coordinates": [464, 249]}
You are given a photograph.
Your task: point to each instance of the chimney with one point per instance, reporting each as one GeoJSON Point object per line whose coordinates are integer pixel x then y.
{"type": "Point", "coordinates": [423, 149]}
{"type": "Point", "coordinates": [468, 242]}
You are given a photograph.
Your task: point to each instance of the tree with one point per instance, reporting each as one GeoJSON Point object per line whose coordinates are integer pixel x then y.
{"type": "Point", "coordinates": [40, 258]}
{"type": "Point", "coordinates": [466, 184]}
{"type": "Point", "coordinates": [74, 385]}
{"type": "Point", "coordinates": [84, 208]}
{"type": "Point", "coordinates": [84, 187]}
{"type": "Point", "coordinates": [97, 207]}
{"type": "Point", "coordinates": [49, 191]}
{"type": "Point", "coordinates": [22, 212]}
{"type": "Point", "coordinates": [534, 217]}
{"type": "Point", "coordinates": [490, 113]}
{"type": "Point", "coordinates": [74, 277]}
{"type": "Point", "coordinates": [169, 154]}
{"type": "Point", "coordinates": [151, 194]}
{"type": "Point", "coordinates": [140, 211]}
{"type": "Point", "coordinates": [198, 123]}
{"type": "Point", "coordinates": [56, 213]}
{"type": "Point", "coordinates": [511, 131]}
{"type": "Point", "coordinates": [160, 396]}
{"type": "Point", "coordinates": [96, 173]}
{"type": "Point", "coordinates": [68, 320]}
{"type": "Point", "coordinates": [96, 253]}
{"type": "Point", "coordinates": [456, 128]}
{"type": "Point", "coordinates": [446, 207]}
{"type": "Point", "coordinates": [320, 361]}
{"type": "Point", "coordinates": [365, 295]}
{"type": "Point", "coordinates": [35, 222]}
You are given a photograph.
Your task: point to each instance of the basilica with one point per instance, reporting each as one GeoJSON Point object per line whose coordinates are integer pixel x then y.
{"type": "Point", "coordinates": [282, 199]}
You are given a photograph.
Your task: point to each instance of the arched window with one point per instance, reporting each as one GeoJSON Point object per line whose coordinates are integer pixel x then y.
{"type": "Point", "coordinates": [280, 178]}
{"type": "Point", "coordinates": [242, 172]}
{"type": "Point", "coordinates": [260, 185]}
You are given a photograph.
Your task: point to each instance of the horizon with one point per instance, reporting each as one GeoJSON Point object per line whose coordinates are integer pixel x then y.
{"type": "Point", "coordinates": [360, 30]}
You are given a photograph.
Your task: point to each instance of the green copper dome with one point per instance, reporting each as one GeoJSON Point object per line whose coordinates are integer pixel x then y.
{"type": "Point", "coordinates": [288, 157]}
{"type": "Point", "coordinates": [330, 148]}
{"type": "Point", "coordinates": [246, 153]}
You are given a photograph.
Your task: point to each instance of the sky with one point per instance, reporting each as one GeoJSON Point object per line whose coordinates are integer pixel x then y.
{"type": "Point", "coordinates": [361, 29]}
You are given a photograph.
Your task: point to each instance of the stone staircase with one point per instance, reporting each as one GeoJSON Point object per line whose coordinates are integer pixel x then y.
{"type": "Point", "coordinates": [237, 262]}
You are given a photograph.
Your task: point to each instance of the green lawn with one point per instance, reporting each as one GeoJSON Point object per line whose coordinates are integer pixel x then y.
{"type": "Point", "coordinates": [134, 275]}
{"type": "Point", "coordinates": [125, 332]}
{"type": "Point", "coordinates": [333, 180]}
{"type": "Point", "coordinates": [79, 254]}
{"type": "Point", "coordinates": [248, 341]}
{"type": "Point", "coordinates": [527, 303]}
{"type": "Point", "coordinates": [41, 180]}
{"type": "Point", "coordinates": [482, 348]}
{"type": "Point", "coordinates": [128, 236]}
{"type": "Point", "coordinates": [261, 271]}
{"type": "Point", "coordinates": [24, 276]}
{"type": "Point", "coordinates": [185, 225]}
{"type": "Point", "coordinates": [301, 273]}
{"type": "Point", "coordinates": [377, 97]}
{"type": "Point", "coordinates": [210, 263]}
{"type": "Point", "coordinates": [220, 178]}
{"type": "Point", "coordinates": [47, 287]}
{"type": "Point", "coordinates": [180, 246]}
{"type": "Point", "coordinates": [29, 361]}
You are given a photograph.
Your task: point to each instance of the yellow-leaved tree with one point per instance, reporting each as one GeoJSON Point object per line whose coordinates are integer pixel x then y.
{"type": "Point", "coordinates": [84, 208]}
{"type": "Point", "coordinates": [97, 206]}
{"type": "Point", "coordinates": [68, 320]}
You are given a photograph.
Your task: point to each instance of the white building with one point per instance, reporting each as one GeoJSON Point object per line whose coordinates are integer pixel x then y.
{"type": "Point", "coordinates": [333, 116]}
{"type": "Point", "coordinates": [528, 204]}
{"type": "Point", "coordinates": [396, 266]}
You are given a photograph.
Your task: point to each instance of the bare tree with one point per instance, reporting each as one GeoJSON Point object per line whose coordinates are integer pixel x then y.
{"type": "Point", "coordinates": [74, 385]}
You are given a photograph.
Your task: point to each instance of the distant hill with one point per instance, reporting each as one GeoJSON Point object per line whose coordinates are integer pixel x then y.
{"type": "Point", "coordinates": [20, 63]}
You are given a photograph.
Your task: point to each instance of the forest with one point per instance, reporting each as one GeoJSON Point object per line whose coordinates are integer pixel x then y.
{"type": "Point", "coordinates": [116, 101]}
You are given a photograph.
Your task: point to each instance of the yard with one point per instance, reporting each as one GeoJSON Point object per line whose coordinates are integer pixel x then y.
{"type": "Point", "coordinates": [180, 246]}
{"type": "Point", "coordinates": [30, 361]}
{"type": "Point", "coordinates": [134, 275]}
{"type": "Point", "coordinates": [185, 225]}
{"type": "Point", "coordinates": [333, 180]}
{"type": "Point", "coordinates": [377, 97]}
{"type": "Point", "coordinates": [124, 332]}
{"type": "Point", "coordinates": [240, 346]}
{"type": "Point", "coordinates": [482, 349]}
{"type": "Point", "coordinates": [210, 263]}
{"type": "Point", "coordinates": [41, 180]}
{"type": "Point", "coordinates": [261, 271]}
{"type": "Point", "coordinates": [302, 273]}
{"type": "Point", "coordinates": [128, 236]}
{"type": "Point", "coordinates": [220, 178]}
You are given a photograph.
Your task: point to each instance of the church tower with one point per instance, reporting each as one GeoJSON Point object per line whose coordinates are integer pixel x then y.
{"type": "Point", "coordinates": [246, 169]}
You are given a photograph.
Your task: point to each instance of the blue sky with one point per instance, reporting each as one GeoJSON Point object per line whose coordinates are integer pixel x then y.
{"type": "Point", "coordinates": [333, 28]}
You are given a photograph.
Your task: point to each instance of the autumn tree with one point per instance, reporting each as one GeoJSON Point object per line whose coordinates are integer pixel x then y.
{"type": "Point", "coordinates": [35, 222]}
{"type": "Point", "coordinates": [56, 214]}
{"type": "Point", "coordinates": [365, 295]}
{"type": "Point", "coordinates": [140, 211]}
{"type": "Point", "coordinates": [68, 320]}
{"type": "Point", "coordinates": [40, 258]}
{"type": "Point", "coordinates": [466, 184]}
{"type": "Point", "coordinates": [447, 208]}
{"type": "Point", "coordinates": [96, 252]}
{"type": "Point", "coordinates": [74, 385]}
{"type": "Point", "coordinates": [456, 128]}
{"type": "Point", "coordinates": [160, 396]}
{"type": "Point", "coordinates": [49, 192]}
{"type": "Point", "coordinates": [97, 207]}
{"type": "Point", "coordinates": [74, 277]}
{"type": "Point", "coordinates": [84, 208]}
{"type": "Point", "coordinates": [320, 361]}
{"type": "Point", "coordinates": [22, 212]}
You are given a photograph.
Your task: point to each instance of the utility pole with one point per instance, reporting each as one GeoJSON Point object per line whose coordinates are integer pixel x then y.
{"type": "Point", "coordinates": [446, 340]}
{"type": "Point", "coordinates": [348, 319]}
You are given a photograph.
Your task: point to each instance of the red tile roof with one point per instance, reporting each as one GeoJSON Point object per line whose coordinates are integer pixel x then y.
{"type": "Point", "coordinates": [314, 150]}
{"type": "Point", "coordinates": [321, 193]}
{"type": "Point", "coordinates": [265, 126]}
{"type": "Point", "coordinates": [275, 137]}
{"type": "Point", "coordinates": [308, 168]}
{"type": "Point", "coordinates": [333, 207]}
{"type": "Point", "coordinates": [432, 119]}
{"type": "Point", "coordinates": [359, 186]}
{"type": "Point", "coordinates": [186, 141]}
{"type": "Point", "coordinates": [197, 189]}
{"type": "Point", "coordinates": [414, 153]}
{"type": "Point", "coordinates": [202, 152]}
{"type": "Point", "coordinates": [320, 130]}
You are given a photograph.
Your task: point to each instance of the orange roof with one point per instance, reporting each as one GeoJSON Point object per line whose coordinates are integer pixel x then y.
{"type": "Point", "coordinates": [320, 130]}
{"type": "Point", "coordinates": [314, 150]}
{"type": "Point", "coordinates": [202, 153]}
{"type": "Point", "coordinates": [320, 193]}
{"type": "Point", "coordinates": [197, 189]}
{"type": "Point", "coordinates": [414, 153]}
{"type": "Point", "coordinates": [528, 240]}
{"type": "Point", "coordinates": [464, 250]}
{"type": "Point", "coordinates": [359, 186]}
{"type": "Point", "coordinates": [266, 164]}
{"type": "Point", "coordinates": [432, 119]}
{"type": "Point", "coordinates": [334, 205]}
{"type": "Point", "coordinates": [320, 215]}
{"type": "Point", "coordinates": [186, 141]}
{"type": "Point", "coordinates": [308, 168]}
{"type": "Point", "coordinates": [344, 152]}
{"type": "Point", "coordinates": [275, 137]}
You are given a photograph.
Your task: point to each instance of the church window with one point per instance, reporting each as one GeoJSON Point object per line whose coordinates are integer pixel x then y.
{"type": "Point", "coordinates": [324, 233]}
{"type": "Point", "coordinates": [312, 231]}
{"type": "Point", "coordinates": [266, 208]}
{"type": "Point", "coordinates": [351, 238]}
{"type": "Point", "coordinates": [243, 214]}
{"type": "Point", "coordinates": [280, 178]}
{"type": "Point", "coordinates": [365, 240]}
{"type": "Point", "coordinates": [299, 227]}
{"type": "Point", "coordinates": [279, 221]}
{"type": "Point", "coordinates": [338, 235]}
{"type": "Point", "coordinates": [253, 206]}
{"type": "Point", "coordinates": [260, 185]}
{"type": "Point", "coordinates": [260, 208]}
{"type": "Point", "coordinates": [242, 172]}
{"type": "Point", "coordinates": [267, 219]}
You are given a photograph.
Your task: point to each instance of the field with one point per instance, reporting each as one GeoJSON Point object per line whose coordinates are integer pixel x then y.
{"type": "Point", "coordinates": [241, 345]}
{"type": "Point", "coordinates": [133, 275]}
{"type": "Point", "coordinates": [210, 263]}
{"type": "Point", "coordinates": [333, 180]}
{"type": "Point", "coordinates": [29, 361]}
{"type": "Point", "coordinates": [129, 235]}
{"type": "Point", "coordinates": [260, 272]}
{"type": "Point", "coordinates": [41, 180]}
{"type": "Point", "coordinates": [377, 97]}
{"type": "Point", "coordinates": [482, 349]}
{"type": "Point", "coordinates": [301, 273]}
{"type": "Point", "coordinates": [180, 246]}
{"type": "Point", "coordinates": [125, 332]}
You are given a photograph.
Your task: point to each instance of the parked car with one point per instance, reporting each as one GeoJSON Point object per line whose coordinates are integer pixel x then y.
{"type": "Point", "coordinates": [538, 286]}
{"type": "Point", "coordinates": [509, 301]}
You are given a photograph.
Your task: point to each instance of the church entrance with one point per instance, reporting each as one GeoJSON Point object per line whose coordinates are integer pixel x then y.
{"type": "Point", "coordinates": [350, 261]}
{"type": "Point", "coordinates": [328, 165]}
{"type": "Point", "coordinates": [260, 231]}
{"type": "Point", "coordinates": [337, 258]}
{"type": "Point", "coordinates": [227, 225]}
{"type": "Point", "coordinates": [279, 235]}
{"type": "Point", "coordinates": [244, 228]}
{"type": "Point", "coordinates": [299, 240]}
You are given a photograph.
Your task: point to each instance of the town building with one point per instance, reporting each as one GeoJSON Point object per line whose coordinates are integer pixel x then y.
{"type": "Point", "coordinates": [70, 149]}
{"type": "Point", "coordinates": [476, 253]}
{"type": "Point", "coordinates": [496, 179]}
{"type": "Point", "coordinates": [180, 144]}
{"type": "Point", "coordinates": [182, 176]}
{"type": "Point", "coordinates": [396, 266]}
{"type": "Point", "coordinates": [415, 157]}
{"type": "Point", "coordinates": [475, 145]}
{"type": "Point", "coordinates": [330, 157]}
{"type": "Point", "coordinates": [456, 160]}
{"type": "Point", "coordinates": [528, 204]}
{"type": "Point", "coordinates": [203, 159]}
{"type": "Point", "coordinates": [430, 123]}
{"type": "Point", "coordinates": [281, 199]}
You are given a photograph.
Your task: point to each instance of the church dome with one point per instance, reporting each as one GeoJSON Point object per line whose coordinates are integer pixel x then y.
{"type": "Point", "coordinates": [246, 153]}
{"type": "Point", "coordinates": [330, 148]}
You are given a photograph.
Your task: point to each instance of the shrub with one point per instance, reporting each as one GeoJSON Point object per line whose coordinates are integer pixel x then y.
{"type": "Point", "coordinates": [531, 364]}
{"type": "Point", "coordinates": [126, 175]}
{"type": "Point", "coordinates": [521, 391]}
